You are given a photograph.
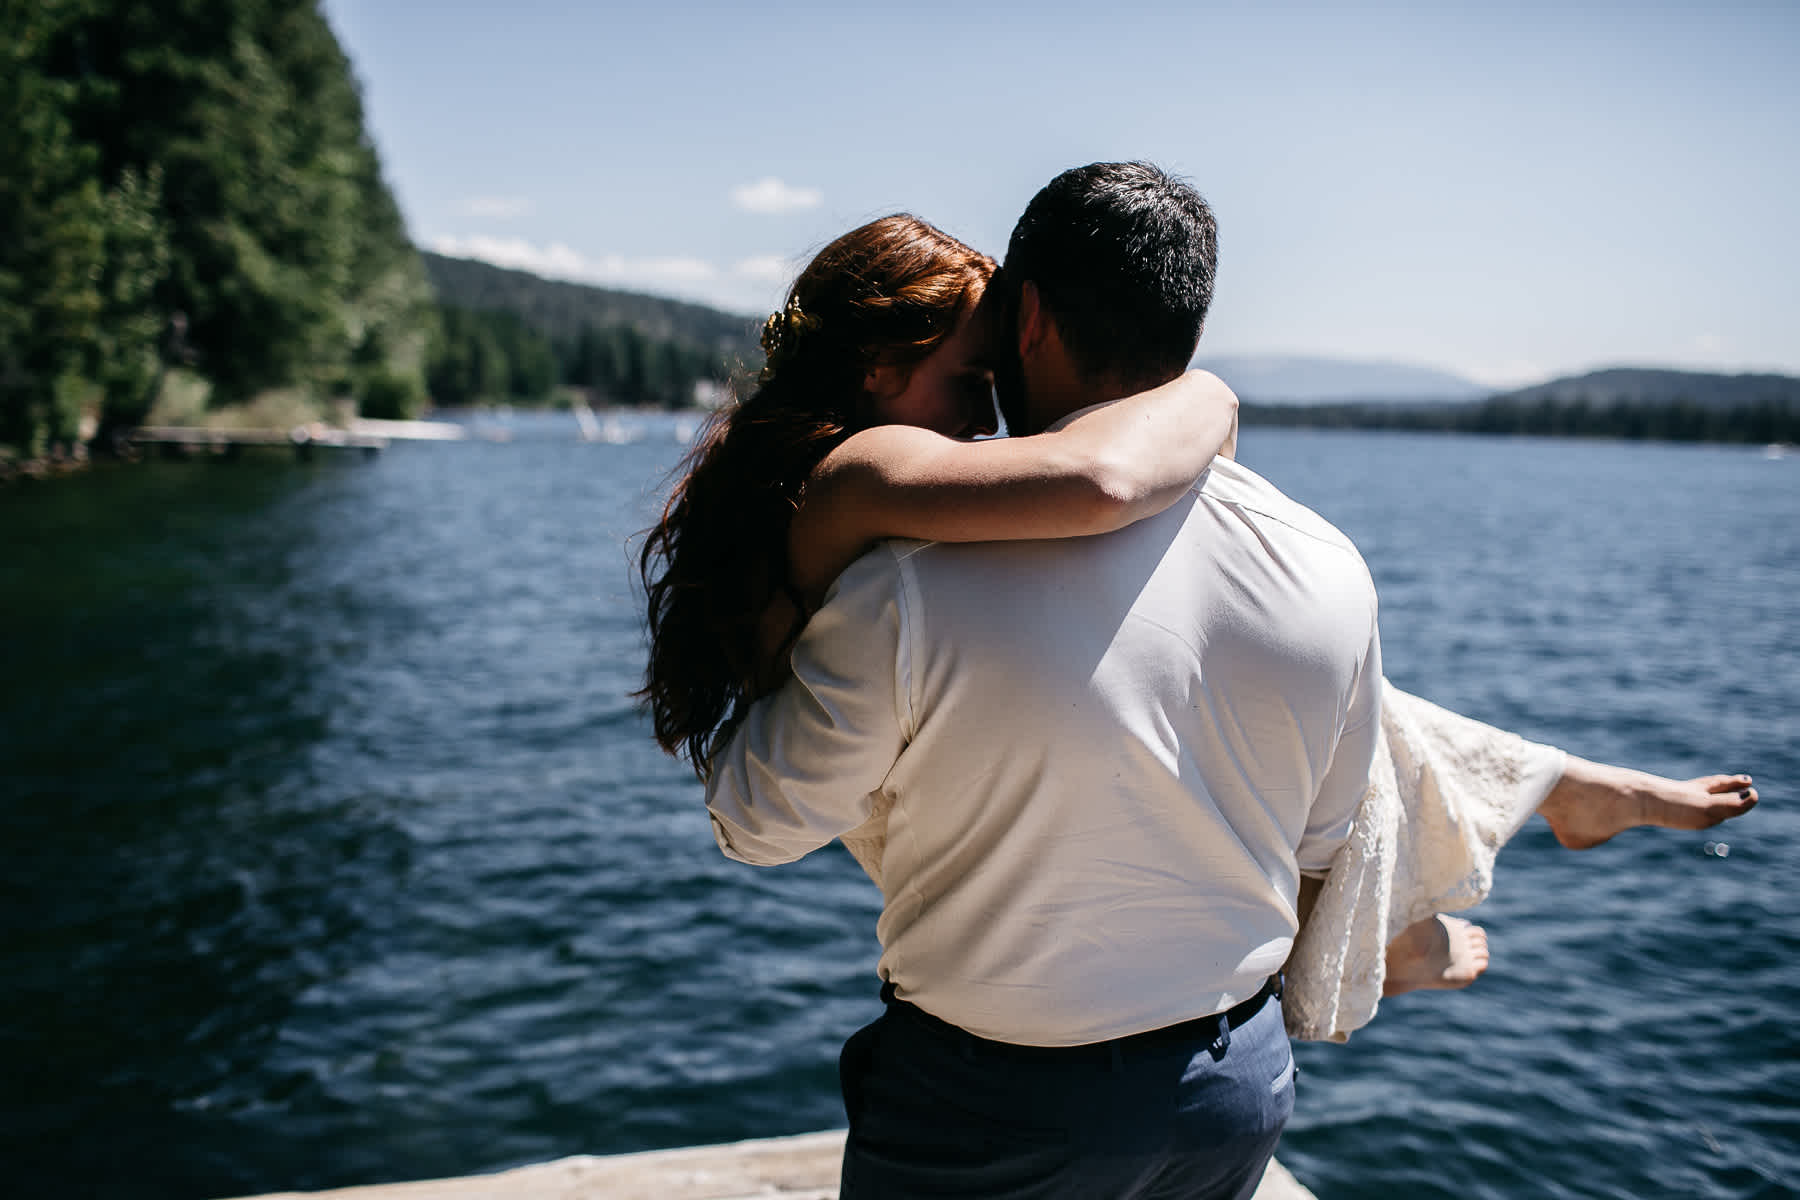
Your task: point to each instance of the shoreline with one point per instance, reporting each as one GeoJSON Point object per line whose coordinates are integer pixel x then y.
{"type": "Point", "coordinates": [211, 440]}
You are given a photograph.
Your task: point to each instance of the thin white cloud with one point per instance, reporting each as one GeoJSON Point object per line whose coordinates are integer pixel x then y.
{"type": "Point", "coordinates": [770, 195]}
{"type": "Point", "coordinates": [560, 261]}
{"type": "Point", "coordinates": [674, 270]}
{"type": "Point", "coordinates": [498, 208]}
{"type": "Point", "coordinates": [1506, 373]}
{"type": "Point", "coordinates": [766, 268]}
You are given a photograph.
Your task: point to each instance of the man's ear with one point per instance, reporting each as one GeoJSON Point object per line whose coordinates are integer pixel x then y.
{"type": "Point", "coordinates": [1033, 320]}
{"type": "Point", "coordinates": [883, 382]}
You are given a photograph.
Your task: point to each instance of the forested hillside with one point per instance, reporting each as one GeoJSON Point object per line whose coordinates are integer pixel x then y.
{"type": "Point", "coordinates": [1626, 402]}
{"type": "Point", "coordinates": [189, 184]}
{"type": "Point", "coordinates": [1647, 386]}
{"type": "Point", "coordinates": [560, 309]}
{"type": "Point", "coordinates": [511, 335]}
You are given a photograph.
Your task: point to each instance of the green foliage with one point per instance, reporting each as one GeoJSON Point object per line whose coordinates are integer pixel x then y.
{"type": "Point", "coordinates": [233, 99]}
{"type": "Point", "coordinates": [468, 360]}
{"type": "Point", "coordinates": [136, 257]}
{"type": "Point", "coordinates": [69, 393]}
{"type": "Point", "coordinates": [563, 310]}
{"type": "Point", "coordinates": [623, 366]}
{"type": "Point", "coordinates": [507, 334]}
{"type": "Point", "coordinates": [390, 395]}
{"type": "Point", "coordinates": [1772, 419]}
{"type": "Point", "coordinates": [191, 179]}
{"type": "Point", "coordinates": [51, 206]}
{"type": "Point", "coordinates": [498, 355]}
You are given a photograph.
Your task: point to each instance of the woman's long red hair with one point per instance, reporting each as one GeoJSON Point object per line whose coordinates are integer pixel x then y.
{"type": "Point", "coordinates": [885, 293]}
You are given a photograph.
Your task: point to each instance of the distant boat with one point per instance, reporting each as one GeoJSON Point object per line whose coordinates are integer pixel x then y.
{"type": "Point", "coordinates": [1776, 450]}
{"type": "Point", "coordinates": [584, 417]}
{"type": "Point", "coordinates": [685, 428]}
{"type": "Point", "coordinates": [613, 431]}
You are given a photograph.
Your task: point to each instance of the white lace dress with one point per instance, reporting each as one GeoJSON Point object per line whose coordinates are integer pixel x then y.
{"type": "Point", "coordinates": [1445, 793]}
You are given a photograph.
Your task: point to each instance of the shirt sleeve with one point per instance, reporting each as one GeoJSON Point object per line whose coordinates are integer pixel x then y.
{"type": "Point", "coordinates": [1340, 794]}
{"type": "Point", "coordinates": [805, 762]}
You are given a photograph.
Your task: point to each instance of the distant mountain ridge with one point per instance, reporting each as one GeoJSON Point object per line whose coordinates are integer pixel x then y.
{"type": "Point", "coordinates": [1314, 379]}
{"type": "Point", "coordinates": [1287, 380]}
{"type": "Point", "coordinates": [1649, 385]}
{"type": "Point", "coordinates": [1641, 403]}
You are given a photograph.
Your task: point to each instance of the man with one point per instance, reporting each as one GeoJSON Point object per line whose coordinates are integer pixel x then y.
{"type": "Point", "coordinates": [1109, 761]}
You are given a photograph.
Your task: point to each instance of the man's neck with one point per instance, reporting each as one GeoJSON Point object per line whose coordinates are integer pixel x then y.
{"type": "Point", "coordinates": [1054, 399]}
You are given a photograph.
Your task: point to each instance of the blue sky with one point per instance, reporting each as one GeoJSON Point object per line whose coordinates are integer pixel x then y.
{"type": "Point", "coordinates": [1510, 191]}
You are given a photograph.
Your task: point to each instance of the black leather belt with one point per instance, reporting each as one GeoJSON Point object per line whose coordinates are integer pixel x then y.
{"type": "Point", "coordinates": [1214, 1030]}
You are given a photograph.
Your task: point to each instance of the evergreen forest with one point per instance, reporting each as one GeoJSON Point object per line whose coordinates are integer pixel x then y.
{"type": "Point", "coordinates": [188, 185]}
{"type": "Point", "coordinates": [1638, 404]}
{"type": "Point", "coordinates": [187, 190]}
{"type": "Point", "coordinates": [507, 334]}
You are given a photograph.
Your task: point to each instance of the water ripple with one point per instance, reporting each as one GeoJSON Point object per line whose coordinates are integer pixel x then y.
{"type": "Point", "coordinates": [338, 851]}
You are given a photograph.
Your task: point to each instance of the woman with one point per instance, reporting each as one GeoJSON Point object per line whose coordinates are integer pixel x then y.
{"type": "Point", "coordinates": [878, 370]}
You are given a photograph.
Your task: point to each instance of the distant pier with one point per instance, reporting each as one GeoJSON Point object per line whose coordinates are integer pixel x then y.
{"type": "Point", "coordinates": [189, 441]}
{"type": "Point", "coordinates": [366, 435]}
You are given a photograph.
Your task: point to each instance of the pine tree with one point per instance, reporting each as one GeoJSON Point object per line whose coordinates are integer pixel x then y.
{"type": "Point", "coordinates": [78, 261]}
{"type": "Point", "coordinates": [228, 141]}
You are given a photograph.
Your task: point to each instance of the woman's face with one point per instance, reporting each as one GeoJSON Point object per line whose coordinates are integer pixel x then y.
{"type": "Point", "coordinates": [951, 391]}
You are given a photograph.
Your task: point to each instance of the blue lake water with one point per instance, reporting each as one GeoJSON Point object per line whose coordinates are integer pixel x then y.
{"type": "Point", "coordinates": [334, 850]}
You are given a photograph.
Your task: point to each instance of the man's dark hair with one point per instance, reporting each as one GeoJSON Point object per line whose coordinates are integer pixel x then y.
{"type": "Point", "coordinates": [1123, 256]}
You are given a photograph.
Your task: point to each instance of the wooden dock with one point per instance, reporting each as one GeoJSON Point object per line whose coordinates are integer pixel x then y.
{"type": "Point", "coordinates": [365, 434]}
{"type": "Point", "coordinates": [804, 1167]}
{"type": "Point", "coordinates": [186, 441]}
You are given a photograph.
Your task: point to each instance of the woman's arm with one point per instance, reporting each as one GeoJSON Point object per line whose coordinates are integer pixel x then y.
{"type": "Point", "coordinates": [1097, 470]}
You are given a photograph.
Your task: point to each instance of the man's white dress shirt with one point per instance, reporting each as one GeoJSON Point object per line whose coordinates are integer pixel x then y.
{"type": "Point", "coordinates": [1108, 759]}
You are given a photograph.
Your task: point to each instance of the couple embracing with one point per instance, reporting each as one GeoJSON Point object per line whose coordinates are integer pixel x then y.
{"type": "Point", "coordinates": [1101, 780]}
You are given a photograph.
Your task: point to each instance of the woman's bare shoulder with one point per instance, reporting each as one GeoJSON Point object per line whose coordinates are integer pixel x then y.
{"type": "Point", "coordinates": [883, 446]}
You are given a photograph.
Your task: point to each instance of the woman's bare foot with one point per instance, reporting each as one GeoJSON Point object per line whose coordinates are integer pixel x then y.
{"type": "Point", "coordinates": [1439, 952]}
{"type": "Point", "coordinates": [1592, 802]}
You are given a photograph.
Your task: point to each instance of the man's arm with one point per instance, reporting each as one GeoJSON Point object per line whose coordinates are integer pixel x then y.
{"type": "Point", "coordinates": [801, 767]}
{"type": "Point", "coordinates": [1341, 791]}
